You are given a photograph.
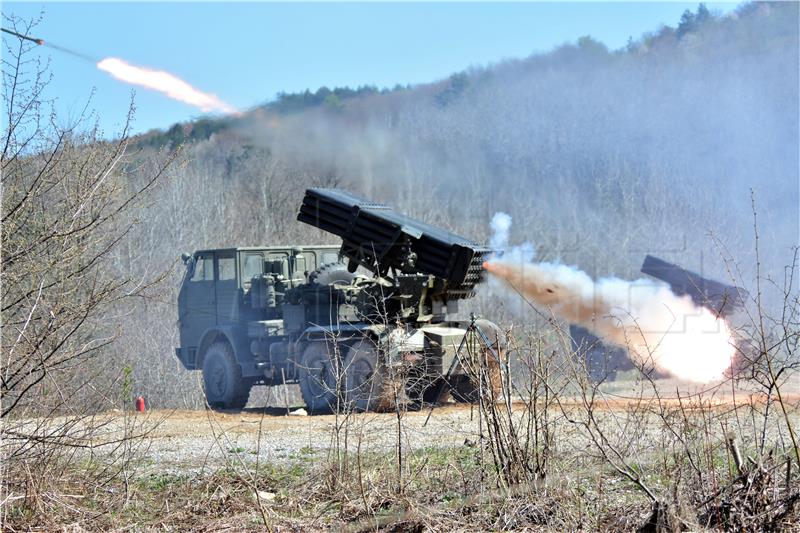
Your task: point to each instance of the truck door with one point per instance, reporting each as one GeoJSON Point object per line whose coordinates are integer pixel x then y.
{"type": "Point", "coordinates": [199, 311]}
{"type": "Point", "coordinates": [227, 289]}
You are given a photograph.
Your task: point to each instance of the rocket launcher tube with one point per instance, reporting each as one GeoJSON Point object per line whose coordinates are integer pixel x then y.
{"type": "Point", "coordinates": [718, 297]}
{"type": "Point", "coordinates": [379, 239]}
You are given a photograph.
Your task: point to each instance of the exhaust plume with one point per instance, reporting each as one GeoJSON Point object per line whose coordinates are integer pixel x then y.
{"type": "Point", "coordinates": [658, 328]}
{"type": "Point", "coordinates": [501, 230]}
{"type": "Point", "coordinates": [163, 82]}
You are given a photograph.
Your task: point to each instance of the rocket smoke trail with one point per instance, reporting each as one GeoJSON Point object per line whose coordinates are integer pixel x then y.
{"type": "Point", "coordinates": [163, 82]}
{"type": "Point", "coordinates": [73, 53]}
{"type": "Point", "coordinates": [658, 328]}
{"type": "Point", "coordinates": [157, 80]}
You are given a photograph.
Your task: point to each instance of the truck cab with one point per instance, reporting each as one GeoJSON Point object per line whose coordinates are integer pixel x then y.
{"type": "Point", "coordinates": [234, 296]}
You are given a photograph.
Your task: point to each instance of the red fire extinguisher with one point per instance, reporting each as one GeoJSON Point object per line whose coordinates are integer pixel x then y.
{"type": "Point", "coordinates": [140, 404]}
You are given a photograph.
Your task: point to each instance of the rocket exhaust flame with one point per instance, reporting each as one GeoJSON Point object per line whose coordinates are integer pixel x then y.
{"type": "Point", "coordinates": [163, 82]}
{"type": "Point", "coordinates": [658, 328]}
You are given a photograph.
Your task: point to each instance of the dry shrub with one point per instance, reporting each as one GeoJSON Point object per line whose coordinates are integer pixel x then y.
{"type": "Point", "coordinates": [68, 206]}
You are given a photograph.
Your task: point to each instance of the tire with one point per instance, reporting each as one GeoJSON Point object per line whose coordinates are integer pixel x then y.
{"type": "Point", "coordinates": [317, 377]}
{"type": "Point", "coordinates": [222, 378]}
{"type": "Point", "coordinates": [332, 273]}
{"type": "Point", "coordinates": [365, 379]}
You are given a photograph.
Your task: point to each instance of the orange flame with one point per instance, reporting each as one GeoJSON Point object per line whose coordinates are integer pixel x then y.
{"type": "Point", "coordinates": [163, 82]}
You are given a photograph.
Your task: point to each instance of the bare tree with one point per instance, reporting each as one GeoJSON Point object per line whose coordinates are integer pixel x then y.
{"type": "Point", "coordinates": [69, 205]}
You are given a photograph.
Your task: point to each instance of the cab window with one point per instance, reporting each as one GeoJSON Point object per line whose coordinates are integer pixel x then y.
{"type": "Point", "coordinates": [227, 268]}
{"type": "Point", "coordinates": [203, 268]}
{"type": "Point", "coordinates": [329, 257]}
{"type": "Point", "coordinates": [253, 266]}
{"type": "Point", "coordinates": [311, 262]}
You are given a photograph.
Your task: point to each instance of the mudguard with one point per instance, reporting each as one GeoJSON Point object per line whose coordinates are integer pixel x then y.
{"type": "Point", "coordinates": [339, 330]}
{"type": "Point", "coordinates": [237, 337]}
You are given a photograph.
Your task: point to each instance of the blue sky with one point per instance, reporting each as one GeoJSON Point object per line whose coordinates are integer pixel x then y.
{"type": "Point", "coordinates": [245, 53]}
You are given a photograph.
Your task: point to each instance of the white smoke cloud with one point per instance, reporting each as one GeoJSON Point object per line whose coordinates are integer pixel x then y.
{"type": "Point", "coordinates": [501, 231]}
{"type": "Point", "coordinates": [163, 82]}
{"type": "Point", "coordinates": [501, 226]}
{"type": "Point", "coordinates": [499, 243]}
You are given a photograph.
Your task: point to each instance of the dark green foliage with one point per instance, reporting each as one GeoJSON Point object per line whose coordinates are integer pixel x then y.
{"type": "Point", "coordinates": [332, 101]}
{"type": "Point", "coordinates": [285, 103]}
{"type": "Point", "coordinates": [455, 87]}
{"type": "Point", "coordinates": [198, 130]}
{"type": "Point", "coordinates": [690, 22]}
{"type": "Point", "coordinates": [296, 102]}
{"type": "Point", "coordinates": [592, 46]}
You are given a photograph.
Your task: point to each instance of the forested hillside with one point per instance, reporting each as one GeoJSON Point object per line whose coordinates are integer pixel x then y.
{"type": "Point", "coordinates": [600, 156]}
{"type": "Point", "coordinates": [593, 152]}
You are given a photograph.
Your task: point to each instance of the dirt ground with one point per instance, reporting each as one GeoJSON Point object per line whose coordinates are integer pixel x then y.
{"type": "Point", "coordinates": [298, 462]}
{"type": "Point", "coordinates": [181, 440]}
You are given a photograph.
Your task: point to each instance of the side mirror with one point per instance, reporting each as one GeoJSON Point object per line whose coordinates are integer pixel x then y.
{"type": "Point", "coordinates": [185, 257]}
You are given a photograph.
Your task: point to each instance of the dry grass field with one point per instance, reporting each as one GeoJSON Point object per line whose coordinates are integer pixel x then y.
{"type": "Point", "coordinates": [671, 458]}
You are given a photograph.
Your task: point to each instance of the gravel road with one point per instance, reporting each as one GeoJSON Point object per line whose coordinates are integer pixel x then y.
{"type": "Point", "coordinates": [181, 441]}
{"type": "Point", "coordinates": [193, 440]}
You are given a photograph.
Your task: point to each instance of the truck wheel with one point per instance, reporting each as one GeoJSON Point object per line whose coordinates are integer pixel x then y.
{"type": "Point", "coordinates": [317, 377]}
{"type": "Point", "coordinates": [222, 378]}
{"type": "Point", "coordinates": [332, 273]}
{"type": "Point", "coordinates": [365, 378]}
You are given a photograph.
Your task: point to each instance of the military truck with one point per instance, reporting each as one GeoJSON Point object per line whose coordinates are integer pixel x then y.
{"type": "Point", "coordinates": [363, 325]}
